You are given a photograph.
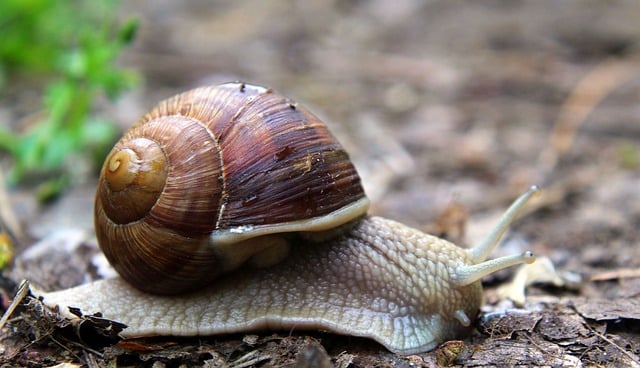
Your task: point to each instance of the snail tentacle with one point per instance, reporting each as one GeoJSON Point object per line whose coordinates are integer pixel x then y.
{"type": "Point", "coordinates": [481, 251]}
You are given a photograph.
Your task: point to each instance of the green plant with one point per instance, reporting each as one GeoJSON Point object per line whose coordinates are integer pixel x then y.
{"type": "Point", "coordinates": [73, 45]}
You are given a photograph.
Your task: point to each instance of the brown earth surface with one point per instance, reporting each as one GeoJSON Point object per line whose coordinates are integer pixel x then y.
{"type": "Point", "coordinates": [449, 110]}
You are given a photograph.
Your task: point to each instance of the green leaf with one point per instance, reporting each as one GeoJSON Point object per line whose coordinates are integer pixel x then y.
{"type": "Point", "coordinates": [128, 31]}
{"type": "Point", "coordinates": [8, 141]}
{"type": "Point", "coordinates": [75, 45]}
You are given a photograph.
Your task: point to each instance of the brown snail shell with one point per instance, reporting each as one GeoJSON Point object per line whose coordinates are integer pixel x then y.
{"type": "Point", "coordinates": [211, 174]}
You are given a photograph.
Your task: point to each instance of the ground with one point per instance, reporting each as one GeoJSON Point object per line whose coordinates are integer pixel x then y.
{"type": "Point", "coordinates": [449, 111]}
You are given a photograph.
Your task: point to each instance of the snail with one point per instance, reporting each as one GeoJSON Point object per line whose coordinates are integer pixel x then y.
{"type": "Point", "coordinates": [232, 208]}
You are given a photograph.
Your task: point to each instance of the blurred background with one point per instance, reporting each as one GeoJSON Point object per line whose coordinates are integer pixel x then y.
{"type": "Point", "coordinates": [438, 102]}
{"type": "Point", "coordinates": [449, 109]}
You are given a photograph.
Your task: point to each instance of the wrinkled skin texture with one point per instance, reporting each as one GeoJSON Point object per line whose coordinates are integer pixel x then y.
{"type": "Point", "coordinates": [383, 280]}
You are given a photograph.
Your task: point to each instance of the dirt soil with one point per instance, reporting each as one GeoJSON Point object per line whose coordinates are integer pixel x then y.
{"type": "Point", "coordinates": [449, 110]}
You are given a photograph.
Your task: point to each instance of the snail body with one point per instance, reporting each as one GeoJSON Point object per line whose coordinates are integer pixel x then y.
{"type": "Point", "coordinates": [323, 262]}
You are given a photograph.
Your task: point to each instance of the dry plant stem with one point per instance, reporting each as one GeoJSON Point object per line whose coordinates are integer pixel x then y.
{"type": "Point", "coordinates": [633, 357]}
{"type": "Point", "coordinates": [23, 291]}
{"type": "Point", "coordinates": [623, 273]}
{"type": "Point", "coordinates": [588, 93]}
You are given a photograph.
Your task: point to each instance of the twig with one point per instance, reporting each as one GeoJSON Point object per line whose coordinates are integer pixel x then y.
{"type": "Point", "coordinates": [625, 273]}
{"type": "Point", "coordinates": [587, 94]}
{"type": "Point", "coordinates": [23, 291]}
{"type": "Point", "coordinates": [634, 358]}
{"type": "Point", "coordinates": [249, 359]}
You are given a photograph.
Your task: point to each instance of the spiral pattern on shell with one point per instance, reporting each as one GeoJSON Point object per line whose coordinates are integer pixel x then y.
{"type": "Point", "coordinates": [217, 164]}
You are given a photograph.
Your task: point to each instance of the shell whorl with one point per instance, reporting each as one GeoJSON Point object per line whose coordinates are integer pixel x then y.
{"type": "Point", "coordinates": [220, 163]}
{"type": "Point", "coordinates": [134, 176]}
